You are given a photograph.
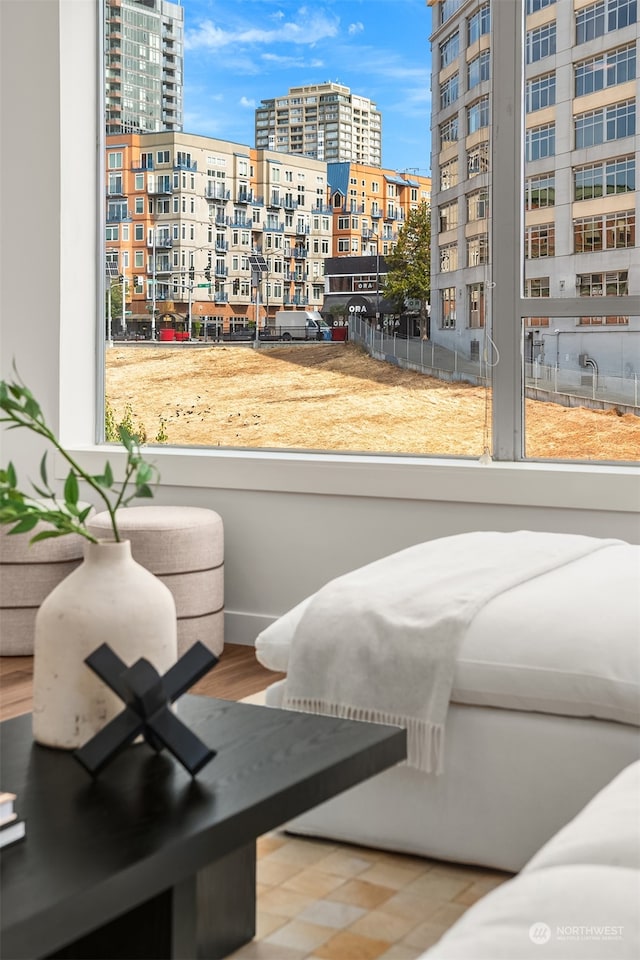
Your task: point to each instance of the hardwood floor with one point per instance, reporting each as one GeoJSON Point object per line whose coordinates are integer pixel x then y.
{"type": "Point", "coordinates": [237, 675]}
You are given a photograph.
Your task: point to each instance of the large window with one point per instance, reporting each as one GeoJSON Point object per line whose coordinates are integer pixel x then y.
{"type": "Point", "coordinates": [605, 70]}
{"type": "Point", "coordinates": [608, 177]}
{"type": "Point", "coordinates": [609, 123]}
{"type": "Point", "coordinates": [541, 92]}
{"type": "Point", "coordinates": [541, 142]}
{"type": "Point", "coordinates": [603, 17]}
{"type": "Point", "coordinates": [541, 42]}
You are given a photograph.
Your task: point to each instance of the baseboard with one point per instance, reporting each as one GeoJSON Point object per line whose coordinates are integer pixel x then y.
{"type": "Point", "coordinates": [244, 627]}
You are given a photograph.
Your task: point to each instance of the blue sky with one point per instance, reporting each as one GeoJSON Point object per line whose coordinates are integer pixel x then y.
{"type": "Point", "coordinates": [238, 52]}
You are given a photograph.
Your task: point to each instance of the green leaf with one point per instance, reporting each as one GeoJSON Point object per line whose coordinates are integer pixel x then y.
{"type": "Point", "coordinates": [12, 476]}
{"type": "Point", "coordinates": [71, 490]}
{"type": "Point", "coordinates": [126, 438]}
{"type": "Point", "coordinates": [144, 474]}
{"type": "Point", "coordinates": [43, 469]}
{"type": "Point", "coordinates": [47, 535]}
{"type": "Point", "coordinates": [25, 525]}
{"type": "Point", "coordinates": [143, 491]}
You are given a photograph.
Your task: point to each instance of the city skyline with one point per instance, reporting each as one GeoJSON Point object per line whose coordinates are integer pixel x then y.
{"type": "Point", "coordinates": [378, 49]}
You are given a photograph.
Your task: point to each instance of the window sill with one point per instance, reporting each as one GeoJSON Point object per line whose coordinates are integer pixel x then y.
{"type": "Point", "coordinates": [573, 486]}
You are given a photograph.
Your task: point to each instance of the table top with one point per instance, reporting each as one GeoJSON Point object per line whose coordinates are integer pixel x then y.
{"type": "Point", "coordinates": [144, 824]}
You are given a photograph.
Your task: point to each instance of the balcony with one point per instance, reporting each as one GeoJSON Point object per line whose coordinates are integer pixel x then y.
{"type": "Point", "coordinates": [274, 202]}
{"type": "Point", "coordinates": [271, 227]}
{"type": "Point", "coordinates": [302, 230]}
{"type": "Point", "coordinates": [118, 216]}
{"type": "Point", "coordinates": [159, 189]}
{"type": "Point", "coordinates": [244, 196]}
{"type": "Point", "coordinates": [221, 220]}
{"type": "Point", "coordinates": [161, 243]}
{"type": "Point", "coordinates": [221, 271]}
{"type": "Point", "coordinates": [299, 253]}
{"type": "Point", "coordinates": [187, 165]}
{"type": "Point", "coordinates": [297, 300]}
{"type": "Point", "coordinates": [221, 246]}
{"type": "Point", "coordinates": [240, 222]}
{"type": "Point", "coordinates": [215, 192]}
{"type": "Point", "coordinates": [376, 212]}
{"type": "Point", "coordinates": [219, 296]}
{"type": "Point", "coordinates": [289, 203]}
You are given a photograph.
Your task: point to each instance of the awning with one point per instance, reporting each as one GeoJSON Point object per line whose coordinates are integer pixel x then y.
{"type": "Point", "coordinates": [359, 305]}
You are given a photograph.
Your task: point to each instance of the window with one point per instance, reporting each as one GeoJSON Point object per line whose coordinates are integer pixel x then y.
{"type": "Point", "coordinates": [114, 160]}
{"type": "Point", "coordinates": [478, 115]}
{"type": "Point", "coordinates": [477, 250]}
{"type": "Point", "coordinates": [603, 284]}
{"type": "Point", "coordinates": [540, 142]}
{"type": "Point", "coordinates": [449, 91]}
{"type": "Point", "coordinates": [448, 308]}
{"type": "Point", "coordinates": [449, 174]}
{"type": "Point", "coordinates": [603, 17]}
{"type": "Point", "coordinates": [611, 231]}
{"type": "Point", "coordinates": [448, 216]}
{"type": "Point", "coordinates": [541, 92]}
{"type": "Point", "coordinates": [448, 131]}
{"type": "Point", "coordinates": [478, 205]}
{"type": "Point", "coordinates": [610, 177]}
{"type": "Point", "coordinates": [537, 287]}
{"type": "Point", "coordinates": [163, 156]}
{"type": "Point", "coordinates": [478, 159]}
{"type": "Point", "coordinates": [534, 5]}
{"type": "Point", "coordinates": [605, 70]}
{"type": "Point", "coordinates": [541, 42]}
{"type": "Point", "coordinates": [609, 123]}
{"type": "Point", "coordinates": [478, 25]}
{"type": "Point", "coordinates": [449, 258]}
{"type": "Point", "coordinates": [540, 191]}
{"type": "Point", "coordinates": [476, 301]}
{"type": "Point", "coordinates": [540, 240]}
{"type": "Point", "coordinates": [449, 50]}
{"type": "Point", "coordinates": [478, 69]}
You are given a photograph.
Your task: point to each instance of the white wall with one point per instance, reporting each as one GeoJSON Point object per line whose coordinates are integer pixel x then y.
{"type": "Point", "coordinates": [291, 523]}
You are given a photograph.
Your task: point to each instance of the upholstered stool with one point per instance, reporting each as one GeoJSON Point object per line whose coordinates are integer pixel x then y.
{"type": "Point", "coordinates": [28, 573]}
{"type": "Point", "coordinates": [183, 547]}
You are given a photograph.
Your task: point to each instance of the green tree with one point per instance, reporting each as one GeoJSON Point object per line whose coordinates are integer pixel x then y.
{"type": "Point", "coordinates": [409, 276]}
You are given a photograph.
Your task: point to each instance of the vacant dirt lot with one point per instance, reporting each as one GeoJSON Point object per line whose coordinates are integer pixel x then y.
{"type": "Point", "coordinates": [335, 397]}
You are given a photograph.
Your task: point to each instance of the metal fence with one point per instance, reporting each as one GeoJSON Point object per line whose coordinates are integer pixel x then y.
{"type": "Point", "coordinates": [552, 383]}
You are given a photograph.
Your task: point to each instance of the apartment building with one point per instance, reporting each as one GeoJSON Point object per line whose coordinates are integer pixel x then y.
{"type": "Point", "coordinates": [369, 206]}
{"type": "Point", "coordinates": [186, 214]}
{"type": "Point", "coordinates": [144, 56]}
{"type": "Point", "coordinates": [322, 120]}
{"type": "Point", "coordinates": [581, 201]}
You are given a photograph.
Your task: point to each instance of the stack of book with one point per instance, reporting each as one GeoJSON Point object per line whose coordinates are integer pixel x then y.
{"type": "Point", "coordinates": [11, 829]}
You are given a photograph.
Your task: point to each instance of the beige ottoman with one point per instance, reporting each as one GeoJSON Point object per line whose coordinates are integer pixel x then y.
{"type": "Point", "coordinates": [183, 547]}
{"type": "Point", "coordinates": [28, 573]}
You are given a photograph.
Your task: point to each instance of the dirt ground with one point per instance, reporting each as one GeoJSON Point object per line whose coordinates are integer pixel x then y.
{"type": "Point", "coordinates": [335, 397]}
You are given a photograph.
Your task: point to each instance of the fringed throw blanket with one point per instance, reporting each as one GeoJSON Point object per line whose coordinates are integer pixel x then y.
{"type": "Point", "coordinates": [380, 643]}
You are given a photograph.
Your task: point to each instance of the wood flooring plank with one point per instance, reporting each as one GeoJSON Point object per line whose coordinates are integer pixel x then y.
{"type": "Point", "coordinates": [237, 675]}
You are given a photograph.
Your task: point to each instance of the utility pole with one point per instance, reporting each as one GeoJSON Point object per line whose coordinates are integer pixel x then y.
{"type": "Point", "coordinates": [153, 282]}
{"type": "Point", "coordinates": [123, 321]}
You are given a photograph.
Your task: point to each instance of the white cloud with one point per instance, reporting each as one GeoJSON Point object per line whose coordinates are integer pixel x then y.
{"type": "Point", "coordinates": [356, 28]}
{"type": "Point", "coordinates": [307, 29]}
{"type": "Point", "coordinates": [247, 102]}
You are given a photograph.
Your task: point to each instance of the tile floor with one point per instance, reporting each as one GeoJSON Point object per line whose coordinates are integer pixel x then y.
{"type": "Point", "coordinates": [319, 900]}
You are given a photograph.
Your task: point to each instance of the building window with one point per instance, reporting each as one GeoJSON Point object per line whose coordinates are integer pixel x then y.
{"type": "Point", "coordinates": [478, 160]}
{"type": "Point", "coordinates": [448, 308]}
{"type": "Point", "coordinates": [477, 205]}
{"type": "Point", "coordinates": [448, 216]}
{"type": "Point", "coordinates": [537, 287]}
{"type": "Point", "coordinates": [540, 191]}
{"type": "Point", "coordinates": [112, 234]}
{"type": "Point", "coordinates": [477, 250]}
{"type": "Point", "coordinates": [539, 241]}
{"type": "Point", "coordinates": [114, 161]}
{"type": "Point", "coordinates": [609, 123]}
{"type": "Point", "coordinates": [449, 50]}
{"type": "Point", "coordinates": [476, 301]}
{"type": "Point", "coordinates": [541, 42]}
{"type": "Point", "coordinates": [540, 142]}
{"type": "Point", "coordinates": [613, 231]}
{"type": "Point", "coordinates": [540, 93]}
{"type": "Point", "coordinates": [611, 177]}
{"type": "Point", "coordinates": [449, 174]}
{"type": "Point", "coordinates": [600, 321]}
{"type": "Point", "coordinates": [615, 284]}
{"type": "Point", "coordinates": [478, 115]}
{"type": "Point", "coordinates": [449, 91]}
{"type": "Point", "coordinates": [478, 69]}
{"type": "Point", "coordinates": [605, 70]}
{"type": "Point", "coordinates": [478, 24]}
{"type": "Point", "coordinates": [534, 5]}
{"type": "Point", "coordinates": [604, 17]}
{"type": "Point", "coordinates": [448, 132]}
{"type": "Point", "coordinates": [449, 258]}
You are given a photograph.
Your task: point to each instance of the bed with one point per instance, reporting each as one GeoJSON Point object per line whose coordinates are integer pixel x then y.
{"type": "Point", "coordinates": [543, 704]}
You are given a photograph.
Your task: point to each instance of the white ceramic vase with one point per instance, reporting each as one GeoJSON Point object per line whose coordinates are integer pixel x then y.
{"type": "Point", "coordinates": [110, 599]}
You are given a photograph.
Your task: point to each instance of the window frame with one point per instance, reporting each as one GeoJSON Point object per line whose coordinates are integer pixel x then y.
{"type": "Point", "coordinates": [80, 346]}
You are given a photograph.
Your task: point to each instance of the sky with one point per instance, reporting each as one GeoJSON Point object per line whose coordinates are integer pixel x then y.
{"type": "Point", "coordinates": [239, 52]}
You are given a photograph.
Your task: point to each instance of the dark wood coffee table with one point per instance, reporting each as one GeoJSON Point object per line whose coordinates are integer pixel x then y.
{"type": "Point", "coordinates": [146, 862]}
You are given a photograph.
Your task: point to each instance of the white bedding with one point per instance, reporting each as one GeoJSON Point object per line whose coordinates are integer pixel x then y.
{"type": "Point", "coordinates": [566, 642]}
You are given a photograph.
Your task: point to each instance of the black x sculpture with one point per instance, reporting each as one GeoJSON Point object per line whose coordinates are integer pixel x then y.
{"type": "Point", "coordinates": [147, 696]}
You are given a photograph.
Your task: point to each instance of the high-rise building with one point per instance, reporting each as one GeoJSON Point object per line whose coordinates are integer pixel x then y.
{"type": "Point", "coordinates": [581, 152]}
{"type": "Point", "coordinates": [144, 55]}
{"type": "Point", "coordinates": [322, 120]}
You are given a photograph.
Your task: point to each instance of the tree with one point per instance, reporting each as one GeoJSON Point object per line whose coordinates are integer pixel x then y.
{"type": "Point", "coordinates": [409, 276]}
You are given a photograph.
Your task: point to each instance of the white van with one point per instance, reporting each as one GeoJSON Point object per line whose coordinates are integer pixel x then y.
{"type": "Point", "coordinates": [301, 325]}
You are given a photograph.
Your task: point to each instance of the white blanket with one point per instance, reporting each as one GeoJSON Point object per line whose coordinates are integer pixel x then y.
{"type": "Point", "coordinates": [380, 643]}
